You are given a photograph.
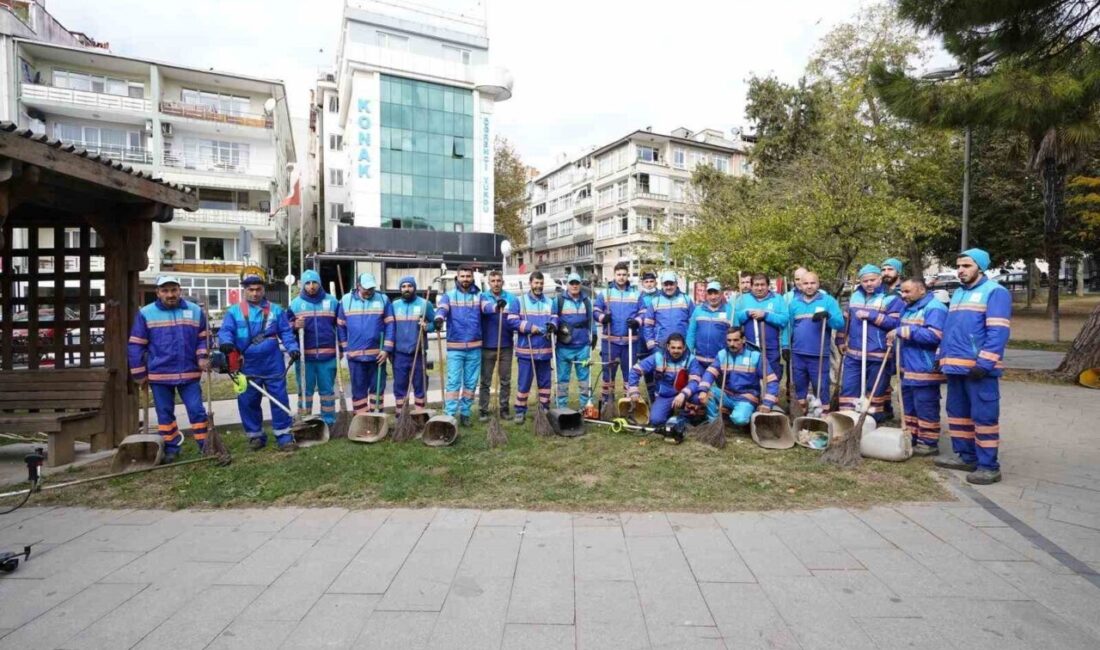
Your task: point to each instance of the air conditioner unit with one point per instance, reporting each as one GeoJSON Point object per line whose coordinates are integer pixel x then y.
{"type": "Point", "coordinates": [166, 129]}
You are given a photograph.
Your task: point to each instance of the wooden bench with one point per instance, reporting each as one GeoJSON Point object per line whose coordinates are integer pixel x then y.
{"type": "Point", "coordinates": [66, 404]}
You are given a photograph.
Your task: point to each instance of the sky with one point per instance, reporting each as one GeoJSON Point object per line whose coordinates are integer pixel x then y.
{"type": "Point", "coordinates": [586, 71]}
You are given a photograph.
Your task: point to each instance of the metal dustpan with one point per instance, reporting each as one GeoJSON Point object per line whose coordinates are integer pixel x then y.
{"type": "Point", "coordinates": [567, 423]}
{"type": "Point", "coordinates": [440, 431]}
{"type": "Point", "coordinates": [310, 431]}
{"type": "Point", "coordinates": [636, 412]}
{"type": "Point", "coordinates": [811, 432]}
{"type": "Point", "coordinates": [138, 451]}
{"type": "Point", "coordinates": [369, 427]}
{"type": "Point", "coordinates": [771, 430]}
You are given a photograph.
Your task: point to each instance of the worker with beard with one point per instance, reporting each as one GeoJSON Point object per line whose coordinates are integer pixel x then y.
{"type": "Point", "coordinates": [365, 327]}
{"type": "Point", "coordinates": [460, 309]}
{"type": "Point", "coordinates": [168, 350]}
{"type": "Point", "coordinates": [314, 313]}
{"type": "Point", "coordinates": [743, 367]}
{"type": "Point", "coordinates": [534, 322]}
{"type": "Point", "coordinates": [763, 312]}
{"type": "Point", "coordinates": [413, 318]}
{"type": "Point", "coordinates": [919, 336]}
{"type": "Point", "coordinates": [677, 374]}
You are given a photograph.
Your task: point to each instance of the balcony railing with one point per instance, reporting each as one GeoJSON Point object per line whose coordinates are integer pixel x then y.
{"type": "Point", "coordinates": [211, 114]}
{"type": "Point", "coordinates": [116, 153]}
{"type": "Point", "coordinates": [224, 217]}
{"type": "Point", "coordinates": [200, 266]}
{"type": "Point", "coordinates": [86, 99]}
{"type": "Point", "coordinates": [207, 163]}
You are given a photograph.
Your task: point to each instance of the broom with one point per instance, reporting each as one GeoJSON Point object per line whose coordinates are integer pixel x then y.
{"type": "Point", "coordinates": [214, 445]}
{"type": "Point", "coordinates": [405, 428]}
{"type": "Point", "coordinates": [541, 420]}
{"type": "Point", "coordinates": [714, 433]}
{"type": "Point", "coordinates": [846, 454]}
{"type": "Point", "coordinates": [608, 410]}
{"type": "Point", "coordinates": [494, 433]}
{"type": "Point", "coordinates": [343, 417]}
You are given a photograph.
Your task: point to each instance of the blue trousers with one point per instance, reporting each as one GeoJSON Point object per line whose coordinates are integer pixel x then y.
{"type": "Point", "coordinates": [463, 372]}
{"type": "Point", "coordinates": [164, 398]}
{"type": "Point", "coordinates": [616, 359]}
{"type": "Point", "coordinates": [922, 413]}
{"type": "Point", "coordinates": [252, 415]}
{"type": "Point", "coordinates": [403, 364]}
{"type": "Point", "coordinates": [740, 407]}
{"type": "Point", "coordinates": [804, 369]}
{"type": "Point", "coordinates": [650, 376]}
{"type": "Point", "coordinates": [320, 377]}
{"type": "Point", "coordinates": [568, 360]}
{"type": "Point", "coordinates": [541, 374]}
{"type": "Point", "coordinates": [849, 388]}
{"type": "Point", "coordinates": [973, 419]}
{"type": "Point", "coordinates": [368, 386]}
{"type": "Point", "coordinates": [660, 410]}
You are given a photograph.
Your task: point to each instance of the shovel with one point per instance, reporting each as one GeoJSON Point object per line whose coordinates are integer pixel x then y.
{"type": "Point", "coordinates": [140, 450]}
{"type": "Point", "coordinates": [440, 430]}
{"type": "Point", "coordinates": [769, 430]}
{"type": "Point", "coordinates": [372, 427]}
{"type": "Point", "coordinates": [308, 429]}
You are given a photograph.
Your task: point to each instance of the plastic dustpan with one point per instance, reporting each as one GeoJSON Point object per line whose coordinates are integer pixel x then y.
{"type": "Point", "coordinates": [310, 431]}
{"type": "Point", "coordinates": [369, 427]}
{"type": "Point", "coordinates": [440, 431]}
{"type": "Point", "coordinates": [567, 422]}
{"type": "Point", "coordinates": [811, 432]}
{"type": "Point", "coordinates": [1089, 378]}
{"type": "Point", "coordinates": [635, 412]}
{"type": "Point", "coordinates": [138, 451]}
{"type": "Point", "coordinates": [771, 430]}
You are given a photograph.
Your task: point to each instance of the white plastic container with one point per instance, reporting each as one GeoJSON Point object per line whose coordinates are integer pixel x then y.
{"type": "Point", "coordinates": [886, 443]}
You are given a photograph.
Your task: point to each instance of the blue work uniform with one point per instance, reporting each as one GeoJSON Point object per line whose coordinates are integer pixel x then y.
{"type": "Point", "coordinates": [461, 310]}
{"type": "Point", "coordinates": [533, 350]}
{"type": "Point", "coordinates": [809, 357]}
{"type": "Point", "coordinates": [665, 371]}
{"type": "Point", "coordinates": [319, 356]}
{"type": "Point", "coordinates": [884, 314]}
{"type": "Point", "coordinates": [615, 309]}
{"type": "Point", "coordinates": [740, 396]}
{"type": "Point", "coordinates": [707, 329]}
{"type": "Point", "coordinates": [774, 321]}
{"type": "Point", "coordinates": [410, 346]}
{"type": "Point", "coordinates": [919, 336]}
{"type": "Point", "coordinates": [573, 357]}
{"type": "Point", "coordinates": [365, 328]}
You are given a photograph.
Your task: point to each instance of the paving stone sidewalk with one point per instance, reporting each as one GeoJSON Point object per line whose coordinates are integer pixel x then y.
{"type": "Point", "coordinates": [1007, 566]}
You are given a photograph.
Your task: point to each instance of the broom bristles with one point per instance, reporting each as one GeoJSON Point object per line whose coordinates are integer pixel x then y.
{"type": "Point", "coordinates": [339, 429]}
{"type": "Point", "coordinates": [405, 428]}
{"type": "Point", "coordinates": [711, 433]}
{"type": "Point", "coordinates": [846, 453]}
{"type": "Point", "coordinates": [215, 446]}
{"type": "Point", "coordinates": [542, 423]}
{"type": "Point", "coordinates": [608, 410]}
{"type": "Point", "coordinates": [494, 433]}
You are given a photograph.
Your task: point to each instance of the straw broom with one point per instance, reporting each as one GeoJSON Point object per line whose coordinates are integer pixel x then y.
{"type": "Point", "coordinates": [541, 420]}
{"type": "Point", "coordinates": [714, 433]}
{"type": "Point", "coordinates": [405, 429]}
{"type": "Point", "coordinates": [846, 453]}
{"type": "Point", "coordinates": [494, 433]}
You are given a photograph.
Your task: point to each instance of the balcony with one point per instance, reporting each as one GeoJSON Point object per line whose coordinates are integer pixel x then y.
{"type": "Point", "coordinates": [201, 266]}
{"type": "Point", "coordinates": [210, 114]}
{"type": "Point", "coordinates": [580, 206]}
{"type": "Point", "coordinates": [40, 94]}
{"type": "Point", "coordinates": [224, 217]}
{"type": "Point", "coordinates": [117, 153]}
{"type": "Point", "coordinates": [228, 164]}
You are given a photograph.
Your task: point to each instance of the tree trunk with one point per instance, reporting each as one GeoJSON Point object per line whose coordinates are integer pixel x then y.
{"type": "Point", "coordinates": [1055, 262]}
{"type": "Point", "coordinates": [1054, 196]}
{"type": "Point", "coordinates": [1033, 278]}
{"type": "Point", "coordinates": [1085, 351]}
{"type": "Point", "coordinates": [1081, 276]}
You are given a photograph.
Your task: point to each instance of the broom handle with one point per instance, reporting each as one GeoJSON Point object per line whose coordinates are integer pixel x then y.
{"type": "Point", "coordinates": [380, 372]}
{"type": "Point", "coordinates": [424, 349]}
{"type": "Point", "coordinates": [874, 389]}
{"type": "Point", "coordinates": [339, 355]}
{"type": "Point", "coordinates": [820, 361]}
{"type": "Point", "coordinates": [500, 338]}
{"type": "Point", "coordinates": [301, 370]}
{"type": "Point", "coordinates": [863, 365]}
{"type": "Point", "coordinates": [209, 373]}
{"type": "Point", "coordinates": [764, 353]}
{"type": "Point", "coordinates": [442, 377]}
{"type": "Point", "coordinates": [530, 348]}
{"type": "Point", "coordinates": [412, 370]}
{"type": "Point", "coordinates": [145, 415]}
{"type": "Point", "coordinates": [897, 368]}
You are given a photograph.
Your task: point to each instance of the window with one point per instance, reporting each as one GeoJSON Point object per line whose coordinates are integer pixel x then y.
{"type": "Point", "coordinates": [393, 41]}
{"type": "Point", "coordinates": [218, 155]}
{"type": "Point", "coordinates": [336, 142]}
{"type": "Point", "coordinates": [584, 250]}
{"type": "Point", "coordinates": [553, 206]}
{"type": "Point", "coordinates": [679, 159]}
{"type": "Point", "coordinates": [190, 248]}
{"type": "Point", "coordinates": [540, 209]}
{"type": "Point", "coordinates": [216, 102]}
{"type": "Point", "coordinates": [624, 227]}
{"type": "Point", "coordinates": [552, 231]}
{"type": "Point", "coordinates": [333, 104]}
{"type": "Point", "coordinates": [565, 228]}
{"type": "Point", "coordinates": [456, 54]}
{"type": "Point", "coordinates": [584, 193]}
{"type": "Point", "coordinates": [620, 190]}
{"type": "Point", "coordinates": [722, 163]}
{"type": "Point", "coordinates": [606, 196]}
{"type": "Point", "coordinates": [216, 199]}
{"type": "Point", "coordinates": [649, 154]}
{"type": "Point", "coordinates": [98, 84]}
{"type": "Point", "coordinates": [209, 248]}
{"type": "Point", "coordinates": [679, 191]}
{"type": "Point", "coordinates": [118, 144]}
{"type": "Point", "coordinates": [336, 177]}
{"type": "Point", "coordinates": [335, 211]}
{"type": "Point", "coordinates": [697, 158]}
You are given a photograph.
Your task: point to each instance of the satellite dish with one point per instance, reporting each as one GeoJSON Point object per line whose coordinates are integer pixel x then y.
{"type": "Point", "coordinates": [269, 105]}
{"type": "Point", "coordinates": [505, 248]}
{"type": "Point", "coordinates": [290, 280]}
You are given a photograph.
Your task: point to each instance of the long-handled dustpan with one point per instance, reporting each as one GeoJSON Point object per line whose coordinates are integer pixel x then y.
{"type": "Point", "coordinates": [308, 429]}
{"type": "Point", "coordinates": [440, 430]}
{"type": "Point", "coordinates": [139, 450]}
{"type": "Point", "coordinates": [769, 430]}
{"type": "Point", "coordinates": [372, 427]}
{"type": "Point", "coordinates": [566, 422]}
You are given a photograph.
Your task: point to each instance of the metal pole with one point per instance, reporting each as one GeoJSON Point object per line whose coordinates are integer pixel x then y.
{"type": "Point", "coordinates": [289, 241]}
{"type": "Point", "coordinates": [966, 191]}
{"type": "Point", "coordinates": [302, 237]}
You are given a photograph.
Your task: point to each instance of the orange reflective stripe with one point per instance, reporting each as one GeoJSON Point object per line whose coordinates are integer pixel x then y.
{"type": "Point", "coordinates": [989, 356]}
{"type": "Point", "coordinates": [988, 444]}
{"type": "Point", "coordinates": [963, 421]}
{"type": "Point", "coordinates": [955, 361]}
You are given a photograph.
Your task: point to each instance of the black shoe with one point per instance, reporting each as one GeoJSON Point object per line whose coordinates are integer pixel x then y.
{"type": "Point", "coordinates": [170, 457]}
{"type": "Point", "coordinates": [257, 443]}
{"type": "Point", "coordinates": [921, 449]}
{"type": "Point", "coordinates": [519, 418]}
{"type": "Point", "coordinates": [288, 447]}
{"type": "Point", "coordinates": [984, 477]}
{"type": "Point", "coordinates": [954, 462]}
{"type": "Point", "coordinates": [505, 413]}
{"type": "Point", "coordinates": [464, 420]}
{"type": "Point", "coordinates": [483, 417]}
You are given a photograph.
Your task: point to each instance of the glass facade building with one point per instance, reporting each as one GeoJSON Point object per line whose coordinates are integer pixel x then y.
{"type": "Point", "coordinates": [427, 155]}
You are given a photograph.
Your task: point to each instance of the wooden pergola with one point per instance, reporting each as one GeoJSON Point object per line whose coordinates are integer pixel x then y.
{"type": "Point", "coordinates": [75, 229]}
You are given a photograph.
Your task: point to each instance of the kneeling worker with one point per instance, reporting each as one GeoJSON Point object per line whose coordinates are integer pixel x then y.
{"type": "Point", "coordinates": [743, 367]}
{"type": "Point", "coordinates": [675, 377]}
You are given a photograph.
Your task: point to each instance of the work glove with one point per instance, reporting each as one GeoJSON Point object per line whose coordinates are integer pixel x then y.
{"type": "Point", "coordinates": [634, 325]}
{"type": "Point", "coordinates": [786, 356]}
{"type": "Point", "coordinates": [294, 356]}
{"type": "Point", "coordinates": [502, 304]}
{"type": "Point", "coordinates": [227, 348]}
{"type": "Point", "coordinates": [977, 372]}
{"type": "Point", "coordinates": [820, 316]}
{"type": "Point", "coordinates": [595, 340]}
{"type": "Point", "coordinates": [438, 322]}
{"type": "Point", "coordinates": [551, 328]}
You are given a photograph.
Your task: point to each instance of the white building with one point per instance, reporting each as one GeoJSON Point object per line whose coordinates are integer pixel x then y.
{"type": "Point", "coordinates": [226, 135]}
{"type": "Point", "coordinates": [621, 202]}
{"type": "Point", "coordinates": [403, 134]}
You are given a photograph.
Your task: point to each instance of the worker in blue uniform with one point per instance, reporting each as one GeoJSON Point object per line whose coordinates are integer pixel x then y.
{"type": "Point", "coordinates": [814, 316]}
{"type": "Point", "coordinates": [919, 336]}
{"type": "Point", "coordinates": [313, 312]}
{"type": "Point", "coordinates": [365, 327]}
{"type": "Point", "coordinates": [743, 367]}
{"type": "Point", "coordinates": [414, 318]}
{"type": "Point", "coordinates": [617, 311]}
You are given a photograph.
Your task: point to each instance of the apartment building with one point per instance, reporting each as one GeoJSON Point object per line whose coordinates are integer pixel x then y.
{"type": "Point", "coordinates": [621, 202]}
{"type": "Point", "coordinates": [226, 135]}
{"type": "Point", "coordinates": [402, 151]}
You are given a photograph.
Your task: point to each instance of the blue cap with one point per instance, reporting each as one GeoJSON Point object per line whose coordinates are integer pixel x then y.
{"type": "Point", "coordinates": [573, 277]}
{"type": "Point", "coordinates": [311, 276]}
{"type": "Point", "coordinates": [167, 279]}
{"type": "Point", "coordinates": [868, 269]}
{"type": "Point", "coordinates": [714, 285]}
{"type": "Point", "coordinates": [649, 275]}
{"type": "Point", "coordinates": [895, 264]}
{"type": "Point", "coordinates": [251, 279]}
{"type": "Point", "coordinates": [367, 281]}
{"type": "Point", "coordinates": [668, 276]}
{"type": "Point", "coordinates": [408, 279]}
{"type": "Point", "coordinates": [980, 257]}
